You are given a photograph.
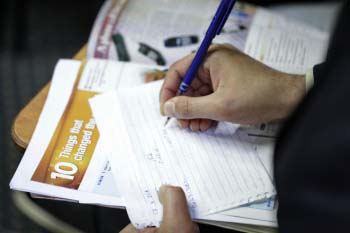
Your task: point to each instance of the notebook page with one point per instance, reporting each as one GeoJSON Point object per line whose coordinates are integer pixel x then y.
{"type": "Point", "coordinates": [216, 169]}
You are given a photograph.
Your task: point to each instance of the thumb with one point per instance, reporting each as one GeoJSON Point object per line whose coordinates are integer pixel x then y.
{"type": "Point", "coordinates": [184, 107]}
{"type": "Point", "coordinates": [176, 216]}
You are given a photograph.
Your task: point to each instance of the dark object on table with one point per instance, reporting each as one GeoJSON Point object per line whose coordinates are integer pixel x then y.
{"type": "Point", "coordinates": [180, 41]}
{"type": "Point", "coordinates": [120, 45]}
{"type": "Point", "coordinates": [152, 53]}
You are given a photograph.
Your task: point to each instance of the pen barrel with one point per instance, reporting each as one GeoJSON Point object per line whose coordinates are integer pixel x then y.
{"type": "Point", "coordinates": [215, 27]}
{"type": "Point", "coordinates": [197, 61]}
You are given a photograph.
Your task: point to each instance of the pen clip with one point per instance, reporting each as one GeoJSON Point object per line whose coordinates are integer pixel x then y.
{"type": "Point", "coordinates": [229, 5]}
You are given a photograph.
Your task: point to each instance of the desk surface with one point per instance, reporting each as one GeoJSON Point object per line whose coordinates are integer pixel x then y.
{"type": "Point", "coordinates": [26, 120]}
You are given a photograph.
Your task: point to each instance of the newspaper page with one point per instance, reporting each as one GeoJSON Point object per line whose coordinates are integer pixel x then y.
{"type": "Point", "coordinates": [65, 158]}
{"type": "Point", "coordinates": [284, 44]}
{"type": "Point", "coordinates": [100, 41]}
{"type": "Point", "coordinates": [160, 31]}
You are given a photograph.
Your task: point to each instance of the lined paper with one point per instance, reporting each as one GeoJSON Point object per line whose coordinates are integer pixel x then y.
{"type": "Point", "coordinates": [217, 169]}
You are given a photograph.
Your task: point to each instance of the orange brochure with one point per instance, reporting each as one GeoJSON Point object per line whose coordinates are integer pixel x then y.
{"type": "Point", "coordinates": [66, 158]}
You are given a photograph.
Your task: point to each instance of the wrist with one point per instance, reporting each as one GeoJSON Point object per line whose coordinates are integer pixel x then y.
{"type": "Point", "coordinates": [292, 94]}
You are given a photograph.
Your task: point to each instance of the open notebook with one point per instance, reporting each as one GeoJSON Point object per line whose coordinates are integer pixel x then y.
{"type": "Point", "coordinates": [217, 169]}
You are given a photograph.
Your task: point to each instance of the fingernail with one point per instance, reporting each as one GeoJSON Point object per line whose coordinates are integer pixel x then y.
{"type": "Point", "coordinates": [163, 188]}
{"type": "Point", "coordinates": [161, 192]}
{"type": "Point", "coordinates": [169, 108]}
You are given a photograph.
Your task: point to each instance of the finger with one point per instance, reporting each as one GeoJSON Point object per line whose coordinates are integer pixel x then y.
{"type": "Point", "coordinates": [205, 124]}
{"type": "Point", "coordinates": [184, 107]}
{"type": "Point", "coordinates": [131, 229]}
{"type": "Point", "coordinates": [224, 46]}
{"type": "Point", "coordinates": [169, 88]}
{"type": "Point", "coordinates": [205, 90]}
{"type": "Point", "coordinates": [194, 125]}
{"type": "Point", "coordinates": [196, 83]}
{"type": "Point", "coordinates": [184, 123]}
{"type": "Point", "coordinates": [176, 216]}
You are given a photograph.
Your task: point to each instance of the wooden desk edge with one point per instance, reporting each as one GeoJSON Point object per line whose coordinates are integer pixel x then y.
{"type": "Point", "coordinates": [26, 120]}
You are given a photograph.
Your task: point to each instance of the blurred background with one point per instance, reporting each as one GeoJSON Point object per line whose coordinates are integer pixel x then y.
{"type": "Point", "coordinates": [33, 36]}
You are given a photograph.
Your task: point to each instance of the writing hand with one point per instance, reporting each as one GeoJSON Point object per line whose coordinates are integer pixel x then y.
{"type": "Point", "coordinates": [230, 86]}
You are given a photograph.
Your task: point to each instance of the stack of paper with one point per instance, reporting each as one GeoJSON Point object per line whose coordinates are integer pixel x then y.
{"type": "Point", "coordinates": [218, 169]}
{"type": "Point", "coordinates": [118, 152]}
{"type": "Point", "coordinates": [70, 158]}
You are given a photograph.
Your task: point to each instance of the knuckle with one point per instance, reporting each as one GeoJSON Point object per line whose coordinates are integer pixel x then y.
{"type": "Point", "coordinates": [173, 66]}
{"type": "Point", "coordinates": [183, 108]}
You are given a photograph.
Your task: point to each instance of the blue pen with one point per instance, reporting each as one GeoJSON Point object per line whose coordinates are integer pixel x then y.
{"type": "Point", "coordinates": [215, 27]}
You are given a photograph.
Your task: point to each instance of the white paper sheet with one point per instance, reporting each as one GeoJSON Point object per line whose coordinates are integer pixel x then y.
{"type": "Point", "coordinates": [264, 211]}
{"type": "Point", "coordinates": [217, 171]}
{"type": "Point", "coordinates": [285, 44]}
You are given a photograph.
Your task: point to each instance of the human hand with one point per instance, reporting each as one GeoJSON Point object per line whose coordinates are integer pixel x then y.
{"type": "Point", "coordinates": [229, 86]}
{"type": "Point", "coordinates": [176, 216]}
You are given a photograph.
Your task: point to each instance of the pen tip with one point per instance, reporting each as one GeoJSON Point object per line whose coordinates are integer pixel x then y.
{"type": "Point", "coordinates": [167, 120]}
